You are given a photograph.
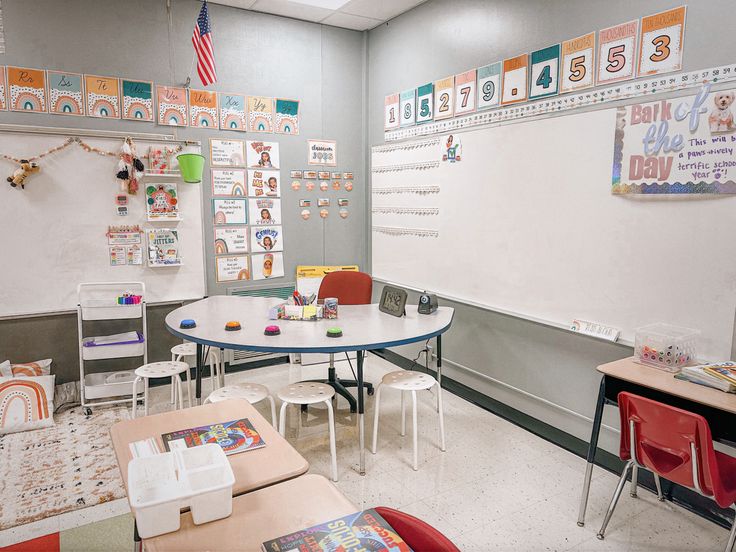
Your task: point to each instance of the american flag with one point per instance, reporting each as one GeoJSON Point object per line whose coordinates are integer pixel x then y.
{"type": "Point", "coordinates": [202, 41]}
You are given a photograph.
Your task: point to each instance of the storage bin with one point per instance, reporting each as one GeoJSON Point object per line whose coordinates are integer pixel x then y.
{"type": "Point", "coordinates": [665, 346]}
{"type": "Point", "coordinates": [155, 494]}
{"type": "Point", "coordinates": [108, 310]}
{"type": "Point", "coordinates": [207, 473]}
{"type": "Point", "coordinates": [129, 344]}
{"type": "Point", "coordinates": [105, 384]}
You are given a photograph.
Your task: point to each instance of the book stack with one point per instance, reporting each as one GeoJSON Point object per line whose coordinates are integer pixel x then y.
{"type": "Point", "coordinates": [718, 375]}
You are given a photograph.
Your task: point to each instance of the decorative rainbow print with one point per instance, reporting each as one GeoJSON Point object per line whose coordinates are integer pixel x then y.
{"type": "Point", "coordinates": [66, 95]}
{"type": "Point", "coordinates": [3, 90]}
{"type": "Point", "coordinates": [103, 96]}
{"type": "Point", "coordinates": [220, 218]}
{"type": "Point", "coordinates": [137, 100]}
{"type": "Point", "coordinates": [232, 111]}
{"type": "Point", "coordinates": [22, 398]}
{"type": "Point", "coordinates": [260, 114]}
{"type": "Point", "coordinates": [220, 245]}
{"type": "Point", "coordinates": [203, 109]}
{"type": "Point", "coordinates": [287, 116]}
{"type": "Point", "coordinates": [27, 89]}
{"type": "Point", "coordinates": [172, 106]}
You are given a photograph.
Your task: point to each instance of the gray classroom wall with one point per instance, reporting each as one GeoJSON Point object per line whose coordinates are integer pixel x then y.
{"type": "Point", "coordinates": [258, 54]}
{"type": "Point", "coordinates": [545, 372]}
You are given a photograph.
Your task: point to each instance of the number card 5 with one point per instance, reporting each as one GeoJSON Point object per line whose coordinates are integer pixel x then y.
{"type": "Point", "coordinates": [425, 103]}
{"type": "Point", "coordinates": [489, 85]}
{"type": "Point", "coordinates": [660, 49]}
{"type": "Point", "coordinates": [577, 63]}
{"type": "Point", "coordinates": [444, 91]}
{"type": "Point", "coordinates": [391, 112]}
{"type": "Point", "coordinates": [408, 108]}
{"type": "Point", "coordinates": [465, 92]}
{"type": "Point", "coordinates": [545, 72]}
{"type": "Point", "coordinates": [616, 52]}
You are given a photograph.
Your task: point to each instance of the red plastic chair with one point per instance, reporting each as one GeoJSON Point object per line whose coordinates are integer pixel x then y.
{"type": "Point", "coordinates": [350, 288]}
{"type": "Point", "coordinates": [674, 444]}
{"type": "Point", "coordinates": [418, 535]}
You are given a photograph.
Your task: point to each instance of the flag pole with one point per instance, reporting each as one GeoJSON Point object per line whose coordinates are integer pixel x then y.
{"type": "Point", "coordinates": [188, 82]}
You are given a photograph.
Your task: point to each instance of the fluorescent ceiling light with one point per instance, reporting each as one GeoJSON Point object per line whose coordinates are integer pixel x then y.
{"type": "Point", "coordinates": [328, 4]}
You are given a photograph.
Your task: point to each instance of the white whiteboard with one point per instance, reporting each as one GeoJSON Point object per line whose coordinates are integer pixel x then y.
{"type": "Point", "coordinates": [527, 224]}
{"type": "Point", "coordinates": [53, 232]}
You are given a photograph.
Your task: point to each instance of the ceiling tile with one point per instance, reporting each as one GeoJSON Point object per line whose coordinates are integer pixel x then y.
{"type": "Point", "coordinates": [379, 9]}
{"type": "Point", "coordinates": [291, 9]}
{"type": "Point", "coordinates": [242, 4]}
{"type": "Point", "coordinates": [354, 22]}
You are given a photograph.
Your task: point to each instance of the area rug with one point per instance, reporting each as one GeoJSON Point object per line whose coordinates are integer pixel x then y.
{"type": "Point", "coordinates": [50, 471]}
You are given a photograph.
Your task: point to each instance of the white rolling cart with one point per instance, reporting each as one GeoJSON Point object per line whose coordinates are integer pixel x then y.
{"type": "Point", "coordinates": [98, 301]}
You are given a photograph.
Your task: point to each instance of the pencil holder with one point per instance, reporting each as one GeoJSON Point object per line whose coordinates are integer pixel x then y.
{"type": "Point", "coordinates": [665, 347]}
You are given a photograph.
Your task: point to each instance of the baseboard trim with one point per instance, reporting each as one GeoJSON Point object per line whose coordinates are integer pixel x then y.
{"type": "Point", "coordinates": [682, 496]}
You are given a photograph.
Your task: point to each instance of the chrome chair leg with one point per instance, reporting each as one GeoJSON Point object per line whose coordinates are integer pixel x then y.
{"type": "Point", "coordinates": [614, 499]}
{"type": "Point", "coordinates": [731, 537]}
{"type": "Point", "coordinates": [658, 483]}
{"type": "Point", "coordinates": [634, 480]}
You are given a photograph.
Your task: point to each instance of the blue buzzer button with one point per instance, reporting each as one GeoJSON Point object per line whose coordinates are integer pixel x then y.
{"type": "Point", "coordinates": [187, 324]}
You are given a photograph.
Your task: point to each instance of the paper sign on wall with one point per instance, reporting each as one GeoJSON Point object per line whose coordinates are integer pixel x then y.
{"type": "Point", "coordinates": [662, 37]}
{"type": "Point", "coordinates": [228, 182]}
{"type": "Point", "coordinates": [391, 112]}
{"type": "Point", "coordinates": [232, 269]}
{"type": "Point", "coordinates": [444, 93]}
{"type": "Point", "coordinates": [514, 79]}
{"type": "Point", "coordinates": [260, 114]}
{"type": "Point", "coordinates": [227, 153]}
{"type": "Point", "coordinates": [617, 52]}
{"type": "Point", "coordinates": [578, 61]}
{"type": "Point", "coordinates": [203, 111]}
{"type": "Point", "coordinates": [489, 85]}
{"type": "Point", "coordinates": [232, 111]}
{"type": "Point", "coordinates": [265, 211]}
{"type": "Point", "coordinates": [137, 100]}
{"type": "Point", "coordinates": [263, 155]}
{"type": "Point", "coordinates": [27, 89]}
{"type": "Point", "coordinates": [230, 211]}
{"type": "Point", "coordinates": [66, 93]}
{"type": "Point", "coordinates": [231, 240]}
{"type": "Point", "coordinates": [425, 103]}
{"type": "Point", "coordinates": [322, 152]}
{"type": "Point", "coordinates": [172, 106]}
{"type": "Point", "coordinates": [287, 116]}
{"type": "Point", "coordinates": [544, 72]}
{"type": "Point", "coordinates": [264, 183]}
{"type": "Point", "coordinates": [268, 265]}
{"type": "Point", "coordinates": [465, 92]}
{"type": "Point", "coordinates": [3, 90]}
{"type": "Point", "coordinates": [162, 201]}
{"type": "Point", "coordinates": [408, 108]}
{"type": "Point", "coordinates": [268, 238]}
{"type": "Point", "coordinates": [103, 96]}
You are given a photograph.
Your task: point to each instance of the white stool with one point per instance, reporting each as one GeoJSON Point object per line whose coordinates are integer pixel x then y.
{"type": "Point", "coordinates": [409, 381]}
{"type": "Point", "coordinates": [190, 349]}
{"type": "Point", "coordinates": [165, 369]}
{"type": "Point", "coordinates": [309, 392]}
{"type": "Point", "coordinates": [251, 392]}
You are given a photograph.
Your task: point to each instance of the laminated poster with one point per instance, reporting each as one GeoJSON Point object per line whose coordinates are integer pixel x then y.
{"type": "Point", "coordinates": [230, 211]}
{"type": "Point", "coordinates": [425, 103]}
{"type": "Point", "coordinates": [27, 89]}
{"type": "Point", "coordinates": [3, 90]}
{"type": "Point", "coordinates": [444, 91]}
{"type": "Point", "coordinates": [117, 255]}
{"type": "Point", "coordinates": [655, 153]}
{"type": "Point", "coordinates": [134, 254]}
{"type": "Point", "coordinates": [391, 112]}
{"type": "Point", "coordinates": [544, 72]}
{"type": "Point", "coordinates": [514, 79]}
{"type": "Point", "coordinates": [617, 52]}
{"type": "Point", "coordinates": [137, 100]}
{"type": "Point", "coordinates": [268, 265]}
{"type": "Point", "coordinates": [227, 153]}
{"type": "Point", "coordinates": [260, 114]}
{"type": "Point", "coordinates": [408, 105]}
{"type": "Point", "coordinates": [263, 183]}
{"type": "Point", "coordinates": [287, 116]}
{"type": "Point", "coordinates": [66, 93]}
{"type": "Point", "coordinates": [465, 92]}
{"type": "Point", "coordinates": [103, 96]}
{"type": "Point", "coordinates": [232, 112]}
{"type": "Point", "coordinates": [322, 152]}
{"type": "Point", "coordinates": [489, 85]}
{"type": "Point", "coordinates": [578, 62]}
{"type": "Point", "coordinates": [162, 201]}
{"type": "Point", "coordinates": [232, 268]}
{"type": "Point", "coordinates": [231, 240]}
{"type": "Point", "coordinates": [163, 247]}
{"type": "Point", "coordinates": [228, 182]}
{"type": "Point", "coordinates": [265, 239]}
{"type": "Point", "coordinates": [172, 106]}
{"type": "Point", "coordinates": [265, 211]}
{"type": "Point", "coordinates": [203, 111]}
{"type": "Point", "coordinates": [262, 155]}
{"type": "Point", "coordinates": [662, 37]}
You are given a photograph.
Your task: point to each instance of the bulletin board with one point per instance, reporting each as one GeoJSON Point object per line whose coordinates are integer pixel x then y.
{"type": "Point", "coordinates": [55, 229]}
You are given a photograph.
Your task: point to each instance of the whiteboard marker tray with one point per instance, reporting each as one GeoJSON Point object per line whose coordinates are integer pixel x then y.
{"type": "Point", "coordinates": [106, 384]}
{"type": "Point", "coordinates": [129, 344]}
{"type": "Point", "coordinates": [106, 310]}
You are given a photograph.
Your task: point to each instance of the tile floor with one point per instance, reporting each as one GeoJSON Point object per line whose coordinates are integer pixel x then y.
{"type": "Point", "coordinates": [497, 487]}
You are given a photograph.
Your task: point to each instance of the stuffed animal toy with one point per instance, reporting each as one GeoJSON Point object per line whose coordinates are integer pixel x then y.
{"type": "Point", "coordinates": [129, 168]}
{"type": "Point", "coordinates": [21, 173]}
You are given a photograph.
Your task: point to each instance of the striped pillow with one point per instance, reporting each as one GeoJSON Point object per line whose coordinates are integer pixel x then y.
{"type": "Point", "coordinates": [26, 403]}
{"type": "Point", "coordinates": [30, 369]}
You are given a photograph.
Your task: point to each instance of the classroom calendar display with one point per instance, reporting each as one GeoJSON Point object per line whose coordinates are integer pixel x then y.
{"type": "Point", "coordinates": [104, 97]}
{"type": "Point", "coordinates": [246, 210]}
{"type": "Point", "coordinates": [641, 48]}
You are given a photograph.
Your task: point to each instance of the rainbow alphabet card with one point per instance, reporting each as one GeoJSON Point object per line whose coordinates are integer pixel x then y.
{"type": "Point", "coordinates": [3, 90]}
{"type": "Point", "coordinates": [27, 89]}
{"type": "Point", "coordinates": [66, 93]}
{"type": "Point", "coordinates": [203, 110]}
{"type": "Point", "coordinates": [260, 114]}
{"type": "Point", "coordinates": [103, 96]}
{"type": "Point", "coordinates": [172, 105]}
{"type": "Point", "coordinates": [232, 112]}
{"type": "Point", "coordinates": [287, 116]}
{"type": "Point", "coordinates": [137, 100]}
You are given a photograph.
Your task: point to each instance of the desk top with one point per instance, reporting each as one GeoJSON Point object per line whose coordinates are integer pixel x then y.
{"type": "Point", "coordinates": [364, 327]}
{"type": "Point", "coordinates": [260, 516]}
{"type": "Point", "coordinates": [253, 469]}
{"type": "Point", "coordinates": [628, 369]}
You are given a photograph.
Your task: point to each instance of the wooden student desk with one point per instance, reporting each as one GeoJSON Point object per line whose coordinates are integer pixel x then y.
{"type": "Point", "coordinates": [254, 469]}
{"type": "Point", "coordinates": [260, 516]}
{"type": "Point", "coordinates": [717, 407]}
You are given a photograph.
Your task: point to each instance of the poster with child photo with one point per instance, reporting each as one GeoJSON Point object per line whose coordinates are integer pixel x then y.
{"type": "Point", "coordinates": [265, 239]}
{"type": "Point", "coordinates": [267, 266]}
{"type": "Point", "coordinates": [262, 155]}
{"type": "Point", "coordinates": [264, 212]}
{"type": "Point", "coordinates": [263, 183]}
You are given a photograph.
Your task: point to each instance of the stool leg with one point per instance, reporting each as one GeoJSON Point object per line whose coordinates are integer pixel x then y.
{"type": "Point", "coordinates": [180, 392]}
{"type": "Point", "coordinates": [135, 397]}
{"type": "Point", "coordinates": [414, 423]}
{"type": "Point", "coordinates": [376, 406]}
{"type": "Point", "coordinates": [333, 452]}
{"type": "Point", "coordinates": [189, 387]}
{"type": "Point", "coordinates": [173, 392]}
{"type": "Point", "coordinates": [442, 418]}
{"type": "Point", "coordinates": [222, 368]}
{"type": "Point", "coordinates": [658, 484]}
{"type": "Point", "coordinates": [274, 423]}
{"type": "Point", "coordinates": [634, 478]}
{"type": "Point", "coordinates": [212, 370]}
{"type": "Point", "coordinates": [282, 419]}
{"type": "Point", "coordinates": [172, 400]}
{"type": "Point", "coordinates": [145, 396]}
{"type": "Point", "coordinates": [403, 415]}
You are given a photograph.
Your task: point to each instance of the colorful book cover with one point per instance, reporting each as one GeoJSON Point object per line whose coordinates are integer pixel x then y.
{"type": "Point", "coordinates": [172, 105]}
{"type": "Point", "coordinates": [260, 114]}
{"type": "Point", "coordinates": [27, 89]}
{"type": "Point", "coordinates": [203, 110]}
{"type": "Point", "coordinates": [287, 116]}
{"type": "Point", "coordinates": [233, 437]}
{"type": "Point", "coordinates": [103, 96]}
{"type": "Point", "coordinates": [66, 93]}
{"type": "Point", "coordinates": [162, 201]}
{"type": "Point", "coordinates": [365, 530]}
{"type": "Point", "coordinates": [232, 111]}
{"type": "Point", "coordinates": [723, 370]}
{"type": "Point", "coordinates": [163, 247]}
{"type": "Point", "coordinates": [137, 100]}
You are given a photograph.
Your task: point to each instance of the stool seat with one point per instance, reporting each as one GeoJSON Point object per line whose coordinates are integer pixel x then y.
{"type": "Point", "coordinates": [306, 393]}
{"type": "Point", "coordinates": [251, 392]}
{"type": "Point", "coordinates": [163, 369]}
{"type": "Point", "coordinates": [184, 349]}
{"type": "Point", "coordinates": [406, 380]}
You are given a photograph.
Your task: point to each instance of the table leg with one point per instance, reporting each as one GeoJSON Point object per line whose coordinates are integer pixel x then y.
{"type": "Point", "coordinates": [137, 542]}
{"type": "Point", "coordinates": [198, 380]}
{"type": "Point", "coordinates": [591, 450]}
{"type": "Point", "coordinates": [439, 360]}
{"type": "Point", "coordinates": [361, 412]}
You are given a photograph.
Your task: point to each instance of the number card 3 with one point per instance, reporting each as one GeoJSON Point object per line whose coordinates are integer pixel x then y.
{"type": "Point", "coordinates": [662, 36]}
{"type": "Point", "coordinates": [391, 112]}
{"type": "Point", "coordinates": [425, 103]}
{"type": "Point", "coordinates": [545, 72]}
{"type": "Point", "coordinates": [515, 79]}
{"type": "Point", "coordinates": [465, 92]}
{"type": "Point", "coordinates": [444, 91]}
{"type": "Point", "coordinates": [616, 52]}
{"type": "Point", "coordinates": [489, 85]}
{"type": "Point", "coordinates": [578, 60]}
{"type": "Point", "coordinates": [408, 108]}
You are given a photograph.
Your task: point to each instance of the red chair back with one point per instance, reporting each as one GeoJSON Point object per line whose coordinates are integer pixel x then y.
{"type": "Point", "coordinates": [417, 534]}
{"type": "Point", "coordinates": [350, 288]}
{"type": "Point", "coordinates": [663, 436]}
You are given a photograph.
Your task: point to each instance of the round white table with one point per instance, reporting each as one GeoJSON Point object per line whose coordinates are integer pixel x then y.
{"type": "Point", "coordinates": [364, 328]}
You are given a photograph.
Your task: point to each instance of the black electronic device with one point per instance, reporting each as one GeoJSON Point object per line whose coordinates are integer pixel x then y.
{"type": "Point", "coordinates": [427, 303]}
{"type": "Point", "coordinates": [393, 301]}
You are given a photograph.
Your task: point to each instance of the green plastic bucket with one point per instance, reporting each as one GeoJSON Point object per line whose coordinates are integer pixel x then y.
{"type": "Point", "coordinates": [191, 166]}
